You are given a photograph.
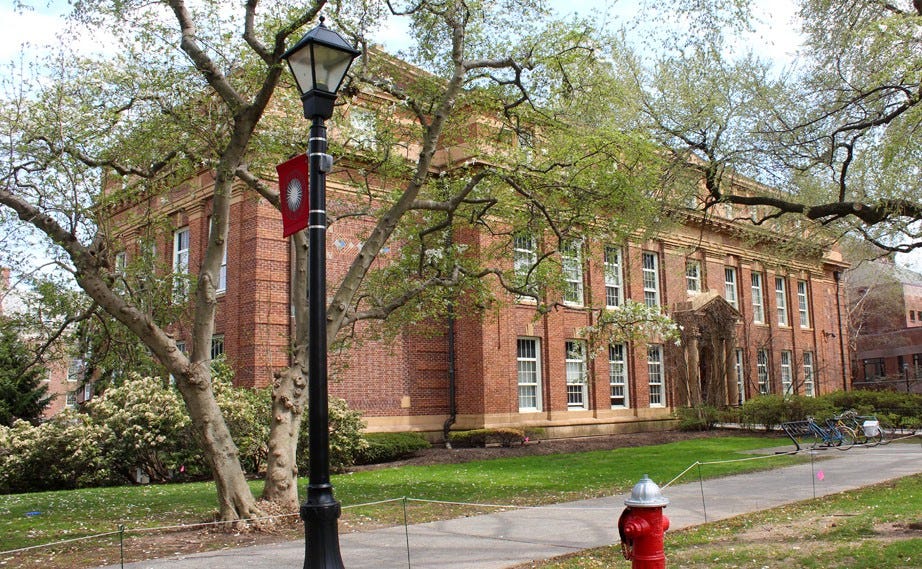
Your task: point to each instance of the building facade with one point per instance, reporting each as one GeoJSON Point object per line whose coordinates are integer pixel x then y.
{"type": "Point", "coordinates": [885, 303]}
{"type": "Point", "coordinates": [753, 322]}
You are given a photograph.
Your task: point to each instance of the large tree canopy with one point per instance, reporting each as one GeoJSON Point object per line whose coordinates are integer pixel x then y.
{"type": "Point", "coordinates": [837, 135]}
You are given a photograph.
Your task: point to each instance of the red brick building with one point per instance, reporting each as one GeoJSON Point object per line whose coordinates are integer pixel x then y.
{"type": "Point", "coordinates": [886, 317]}
{"type": "Point", "coordinates": [754, 322]}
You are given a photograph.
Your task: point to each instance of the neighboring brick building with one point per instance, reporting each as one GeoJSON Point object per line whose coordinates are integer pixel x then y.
{"type": "Point", "coordinates": [885, 303]}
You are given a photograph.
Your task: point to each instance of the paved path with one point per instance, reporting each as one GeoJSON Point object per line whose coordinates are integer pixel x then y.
{"type": "Point", "coordinates": [508, 538]}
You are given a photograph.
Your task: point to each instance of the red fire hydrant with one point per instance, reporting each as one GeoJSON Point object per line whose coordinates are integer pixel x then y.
{"type": "Point", "coordinates": [642, 526]}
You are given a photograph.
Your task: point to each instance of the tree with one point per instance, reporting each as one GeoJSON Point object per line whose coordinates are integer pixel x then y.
{"type": "Point", "coordinates": [196, 97]}
{"type": "Point", "coordinates": [22, 393]}
{"type": "Point", "coordinates": [836, 136]}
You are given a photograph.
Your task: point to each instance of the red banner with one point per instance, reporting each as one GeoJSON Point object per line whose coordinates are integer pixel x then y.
{"type": "Point", "coordinates": [293, 192]}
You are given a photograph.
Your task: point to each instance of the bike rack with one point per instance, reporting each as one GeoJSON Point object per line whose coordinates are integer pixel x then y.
{"type": "Point", "coordinates": [797, 429]}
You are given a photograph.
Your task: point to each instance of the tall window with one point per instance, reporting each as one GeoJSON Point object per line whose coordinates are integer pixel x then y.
{"type": "Point", "coordinates": [217, 345]}
{"type": "Point", "coordinates": [121, 262]}
{"type": "Point", "coordinates": [730, 286]}
{"type": "Point", "coordinates": [808, 374]}
{"type": "Point", "coordinates": [75, 369]}
{"type": "Point", "coordinates": [803, 307]}
{"type": "Point", "coordinates": [655, 375]}
{"type": "Point", "coordinates": [529, 370]}
{"type": "Point", "coordinates": [221, 285]}
{"type": "Point", "coordinates": [781, 301]}
{"type": "Point", "coordinates": [650, 263]}
{"type": "Point", "coordinates": [361, 128]}
{"type": "Point", "coordinates": [740, 375]}
{"type": "Point", "coordinates": [873, 368]}
{"type": "Point", "coordinates": [617, 375]}
{"type": "Point", "coordinates": [787, 381]}
{"type": "Point", "coordinates": [524, 258]}
{"type": "Point", "coordinates": [758, 304]}
{"type": "Point", "coordinates": [572, 258]}
{"type": "Point", "coordinates": [614, 295]}
{"type": "Point", "coordinates": [180, 263]}
{"type": "Point", "coordinates": [762, 370]}
{"type": "Point", "coordinates": [576, 375]}
{"type": "Point", "coordinates": [693, 277]}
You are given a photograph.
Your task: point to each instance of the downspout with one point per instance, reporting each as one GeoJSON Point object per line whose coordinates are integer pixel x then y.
{"type": "Point", "coordinates": [452, 399]}
{"type": "Point", "coordinates": [838, 277]}
{"type": "Point", "coordinates": [452, 402]}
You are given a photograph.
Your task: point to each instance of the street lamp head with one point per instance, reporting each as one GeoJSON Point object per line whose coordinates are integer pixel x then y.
{"type": "Point", "coordinates": [319, 62]}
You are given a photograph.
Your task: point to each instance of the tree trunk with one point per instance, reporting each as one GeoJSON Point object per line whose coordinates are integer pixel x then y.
{"type": "Point", "coordinates": [289, 396]}
{"type": "Point", "coordinates": [235, 500]}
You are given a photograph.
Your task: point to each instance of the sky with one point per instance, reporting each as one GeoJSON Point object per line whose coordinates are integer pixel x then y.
{"type": "Point", "coordinates": [775, 36]}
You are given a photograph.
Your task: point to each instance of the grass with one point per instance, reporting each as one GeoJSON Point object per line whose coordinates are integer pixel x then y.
{"type": "Point", "coordinates": [520, 481]}
{"type": "Point", "coordinates": [879, 527]}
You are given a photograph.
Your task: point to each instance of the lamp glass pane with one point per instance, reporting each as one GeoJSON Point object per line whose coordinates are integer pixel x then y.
{"type": "Point", "coordinates": [331, 66]}
{"type": "Point", "coordinates": [300, 64]}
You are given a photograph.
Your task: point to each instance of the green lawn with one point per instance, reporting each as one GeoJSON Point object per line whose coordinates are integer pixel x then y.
{"type": "Point", "coordinates": [31, 519]}
{"type": "Point", "coordinates": [879, 527]}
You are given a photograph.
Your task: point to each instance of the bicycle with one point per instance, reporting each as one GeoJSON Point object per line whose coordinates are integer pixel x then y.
{"type": "Point", "coordinates": [865, 427]}
{"type": "Point", "coordinates": [841, 438]}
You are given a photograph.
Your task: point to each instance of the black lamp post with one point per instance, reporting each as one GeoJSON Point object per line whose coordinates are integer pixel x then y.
{"type": "Point", "coordinates": [319, 63]}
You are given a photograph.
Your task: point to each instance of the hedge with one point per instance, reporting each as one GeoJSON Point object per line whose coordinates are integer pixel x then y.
{"type": "Point", "coordinates": [388, 447]}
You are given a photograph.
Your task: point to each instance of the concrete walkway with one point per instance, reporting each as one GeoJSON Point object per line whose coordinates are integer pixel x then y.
{"type": "Point", "coordinates": [512, 537]}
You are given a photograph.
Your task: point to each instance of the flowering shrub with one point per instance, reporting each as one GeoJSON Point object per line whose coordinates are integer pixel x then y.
{"type": "Point", "coordinates": [144, 425]}
{"type": "Point", "coordinates": [346, 440]}
{"type": "Point", "coordinates": [62, 453]}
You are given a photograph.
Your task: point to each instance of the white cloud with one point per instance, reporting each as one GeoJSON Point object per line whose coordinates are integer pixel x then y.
{"type": "Point", "coordinates": [26, 31]}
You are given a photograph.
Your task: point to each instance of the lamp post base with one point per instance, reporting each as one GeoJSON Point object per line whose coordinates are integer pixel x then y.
{"type": "Point", "coordinates": [320, 513]}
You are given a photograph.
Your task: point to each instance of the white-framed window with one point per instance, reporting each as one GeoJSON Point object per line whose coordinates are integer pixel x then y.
{"type": "Point", "coordinates": [524, 258]}
{"type": "Point", "coordinates": [803, 305]}
{"type": "Point", "coordinates": [614, 277]}
{"type": "Point", "coordinates": [528, 362]}
{"type": "Point", "coordinates": [655, 375]}
{"type": "Point", "coordinates": [571, 255]}
{"type": "Point", "coordinates": [577, 386]}
{"type": "Point", "coordinates": [758, 302]}
{"type": "Point", "coordinates": [180, 263]}
{"type": "Point", "coordinates": [221, 284]}
{"type": "Point", "coordinates": [181, 346]}
{"type": "Point", "coordinates": [70, 399]}
{"type": "Point", "coordinates": [808, 375]}
{"type": "Point", "coordinates": [730, 286]}
{"type": "Point", "coordinates": [617, 375]}
{"type": "Point", "coordinates": [217, 345]}
{"type": "Point", "coordinates": [762, 371]}
{"type": "Point", "coordinates": [362, 131]}
{"type": "Point", "coordinates": [650, 265]}
{"type": "Point", "coordinates": [693, 277]}
{"type": "Point", "coordinates": [87, 391]}
{"type": "Point", "coordinates": [740, 375]}
{"type": "Point", "coordinates": [75, 368]}
{"type": "Point", "coordinates": [787, 379]}
{"type": "Point", "coordinates": [781, 301]}
{"type": "Point", "coordinates": [121, 262]}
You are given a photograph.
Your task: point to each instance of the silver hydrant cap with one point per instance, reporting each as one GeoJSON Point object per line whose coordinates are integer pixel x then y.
{"type": "Point", "coordinates": [646, 494]}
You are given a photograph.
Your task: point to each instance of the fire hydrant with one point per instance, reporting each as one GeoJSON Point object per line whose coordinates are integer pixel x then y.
{"type": "Point", "coordinates": [642, 526]}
